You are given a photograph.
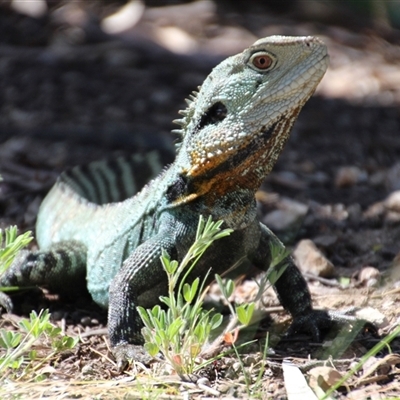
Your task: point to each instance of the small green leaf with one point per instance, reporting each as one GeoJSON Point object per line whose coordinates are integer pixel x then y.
{"type": "Point", "coordinates": [216, 320]}
{"type": "Point", "coordinates": [166, 300]}
{"type": "Point", "coordinates": [9, 339]}
{"type": "Point", "coordinates": [244, 313]}
{"type": "Point", "coordinates": [143, 315]}
{"type": "Point", "coordinates": [152, 348]}
{"type": "Point", "coordinates": [15, 339]}
{"type": "Point", "coordinates": [169, 266]}
{"type": "Point", "coordinates": [189, 291]}
{"type": "Point", "coordinates": [162, 335]}
{"type": "Point", "coordinates": [344, 281]}
{"type": "Point", "coordinates": [156, 310]}
{"type": "Point", "coordinates": [53, 331]}
{"type": "Point", "coordinates": [229, 287]}
{"type": "Point", "coordinates": [10, 245]}
{"type": "Point", "coordinates": [156, 339]}
{"type": "Point", "coordinates": [199, 332]}
{"type": "Point", "coordinates": [179, 301]}
{"type": "Point", "coordinates": [16, 364]}
{"type": "Point", "coordinates": [71, 342]}
{"type": "Point", "coordinates": [276, 274]}
{"type": "Point", "coordinates": [174, 328]}
{"type": "Point", "coordinates": [147, 334]}
{"type": "Point", "coordinates": [64, 343]}
{"type": "Point", "coordinates": [226, 288]}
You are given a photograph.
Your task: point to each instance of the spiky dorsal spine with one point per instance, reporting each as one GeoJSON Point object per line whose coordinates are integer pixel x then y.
{"type": "Point", "coordinates": [187, 114]}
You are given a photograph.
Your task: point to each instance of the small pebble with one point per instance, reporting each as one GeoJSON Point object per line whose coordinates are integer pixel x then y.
{"type": "Point", "coordinates": [392, 202]}
{"type": "Point", "coordinates": [86, 321]}
{"type": "Point", "coordinates": [349, 176]}
{"type": "Point", "coordinates": [290, 214]}
{"type": "Point", "coordinates": [223, 387]}
{"type": "Point", "coordinates": [311, 260]}
{"type": "Point", "coordinates": [203, 381]}
{"type": "Point", "coordinates": [236, 366]}
{"type": "Point", "coordinates": [87, 370]}
{"type": "Point", "coordinates": [375, 210]}
{"type": "Point", "coordinates": [372, 315]}
{"type": "Point", "coordinates": [324, 377]}
{"type": "Point", "coordinates": [249, 360]}
{"type": "Point", "coordinates": [369, 276]}
{"type": "Point", "coordinates": [57, 315]}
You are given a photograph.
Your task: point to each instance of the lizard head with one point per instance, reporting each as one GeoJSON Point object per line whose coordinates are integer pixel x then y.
{"type": "Point", "coordinates": [235, 127]}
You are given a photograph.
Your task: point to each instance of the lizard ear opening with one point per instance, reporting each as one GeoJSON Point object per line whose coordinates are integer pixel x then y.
{"type": "Point", "coordinates": [216, 113]}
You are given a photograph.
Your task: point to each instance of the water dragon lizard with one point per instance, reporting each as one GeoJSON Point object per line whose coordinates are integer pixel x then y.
{"type": "Point", "coordinates": [96, 224]}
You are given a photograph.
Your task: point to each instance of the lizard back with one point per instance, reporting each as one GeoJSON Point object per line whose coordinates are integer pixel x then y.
{"type": "Point", "coordinates": [106, 206]}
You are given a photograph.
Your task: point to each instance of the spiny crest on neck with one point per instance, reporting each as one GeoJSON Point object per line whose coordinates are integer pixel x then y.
{"type": "Point", "coordinates": [187, 114]}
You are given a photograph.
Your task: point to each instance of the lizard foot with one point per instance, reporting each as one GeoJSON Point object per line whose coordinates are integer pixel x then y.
{"type": "Point", "coordinates": [124, 353]}
{"type": "Point", "coordinates": [320, 320]}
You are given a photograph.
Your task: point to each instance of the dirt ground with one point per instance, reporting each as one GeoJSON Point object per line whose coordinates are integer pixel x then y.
{"type": "Point", "coordinates": [71, 93]}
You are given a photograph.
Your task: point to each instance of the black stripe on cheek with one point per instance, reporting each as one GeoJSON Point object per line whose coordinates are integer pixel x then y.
{"type": "Point", "coordinates": [177, 189]}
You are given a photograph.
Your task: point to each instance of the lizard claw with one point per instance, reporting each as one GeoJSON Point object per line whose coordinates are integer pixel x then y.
{"type": "Point", "coordinates": [320, 320]}
{"type": "Point", "coordinates": [124, 353]}
{"type": "Point", "coordinates": [312, 323]}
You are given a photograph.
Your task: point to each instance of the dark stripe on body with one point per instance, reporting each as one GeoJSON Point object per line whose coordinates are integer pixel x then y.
{"type": "Point", "coordinates": [114, 180]}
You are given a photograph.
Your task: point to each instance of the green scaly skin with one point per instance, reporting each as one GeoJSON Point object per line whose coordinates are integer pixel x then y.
{"type": "Point", "coordinates": [95, 222]}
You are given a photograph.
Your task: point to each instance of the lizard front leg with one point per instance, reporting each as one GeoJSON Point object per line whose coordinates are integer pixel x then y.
{"type": "Point", "coordinates": [140, 281]}
{"type": "Point", "coordinates": [292, 289]}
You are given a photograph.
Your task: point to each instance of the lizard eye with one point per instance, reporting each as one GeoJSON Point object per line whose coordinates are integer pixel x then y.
{"type": "Point", "coordinates": [261, 60]}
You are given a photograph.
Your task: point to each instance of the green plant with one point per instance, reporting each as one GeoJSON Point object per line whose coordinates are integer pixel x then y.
{"type": "Point", "coordinates": [10, 245]}
{"type": "Point", "coordinates": [19, 346]}
{"type": "Point", "coordinates": [242, 314]}
{"type": "Point", "coordinates": [180, 331]}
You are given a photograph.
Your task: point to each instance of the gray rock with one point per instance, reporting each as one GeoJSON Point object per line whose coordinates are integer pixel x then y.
{"type": "Point", "coordinates": [289, 215]}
